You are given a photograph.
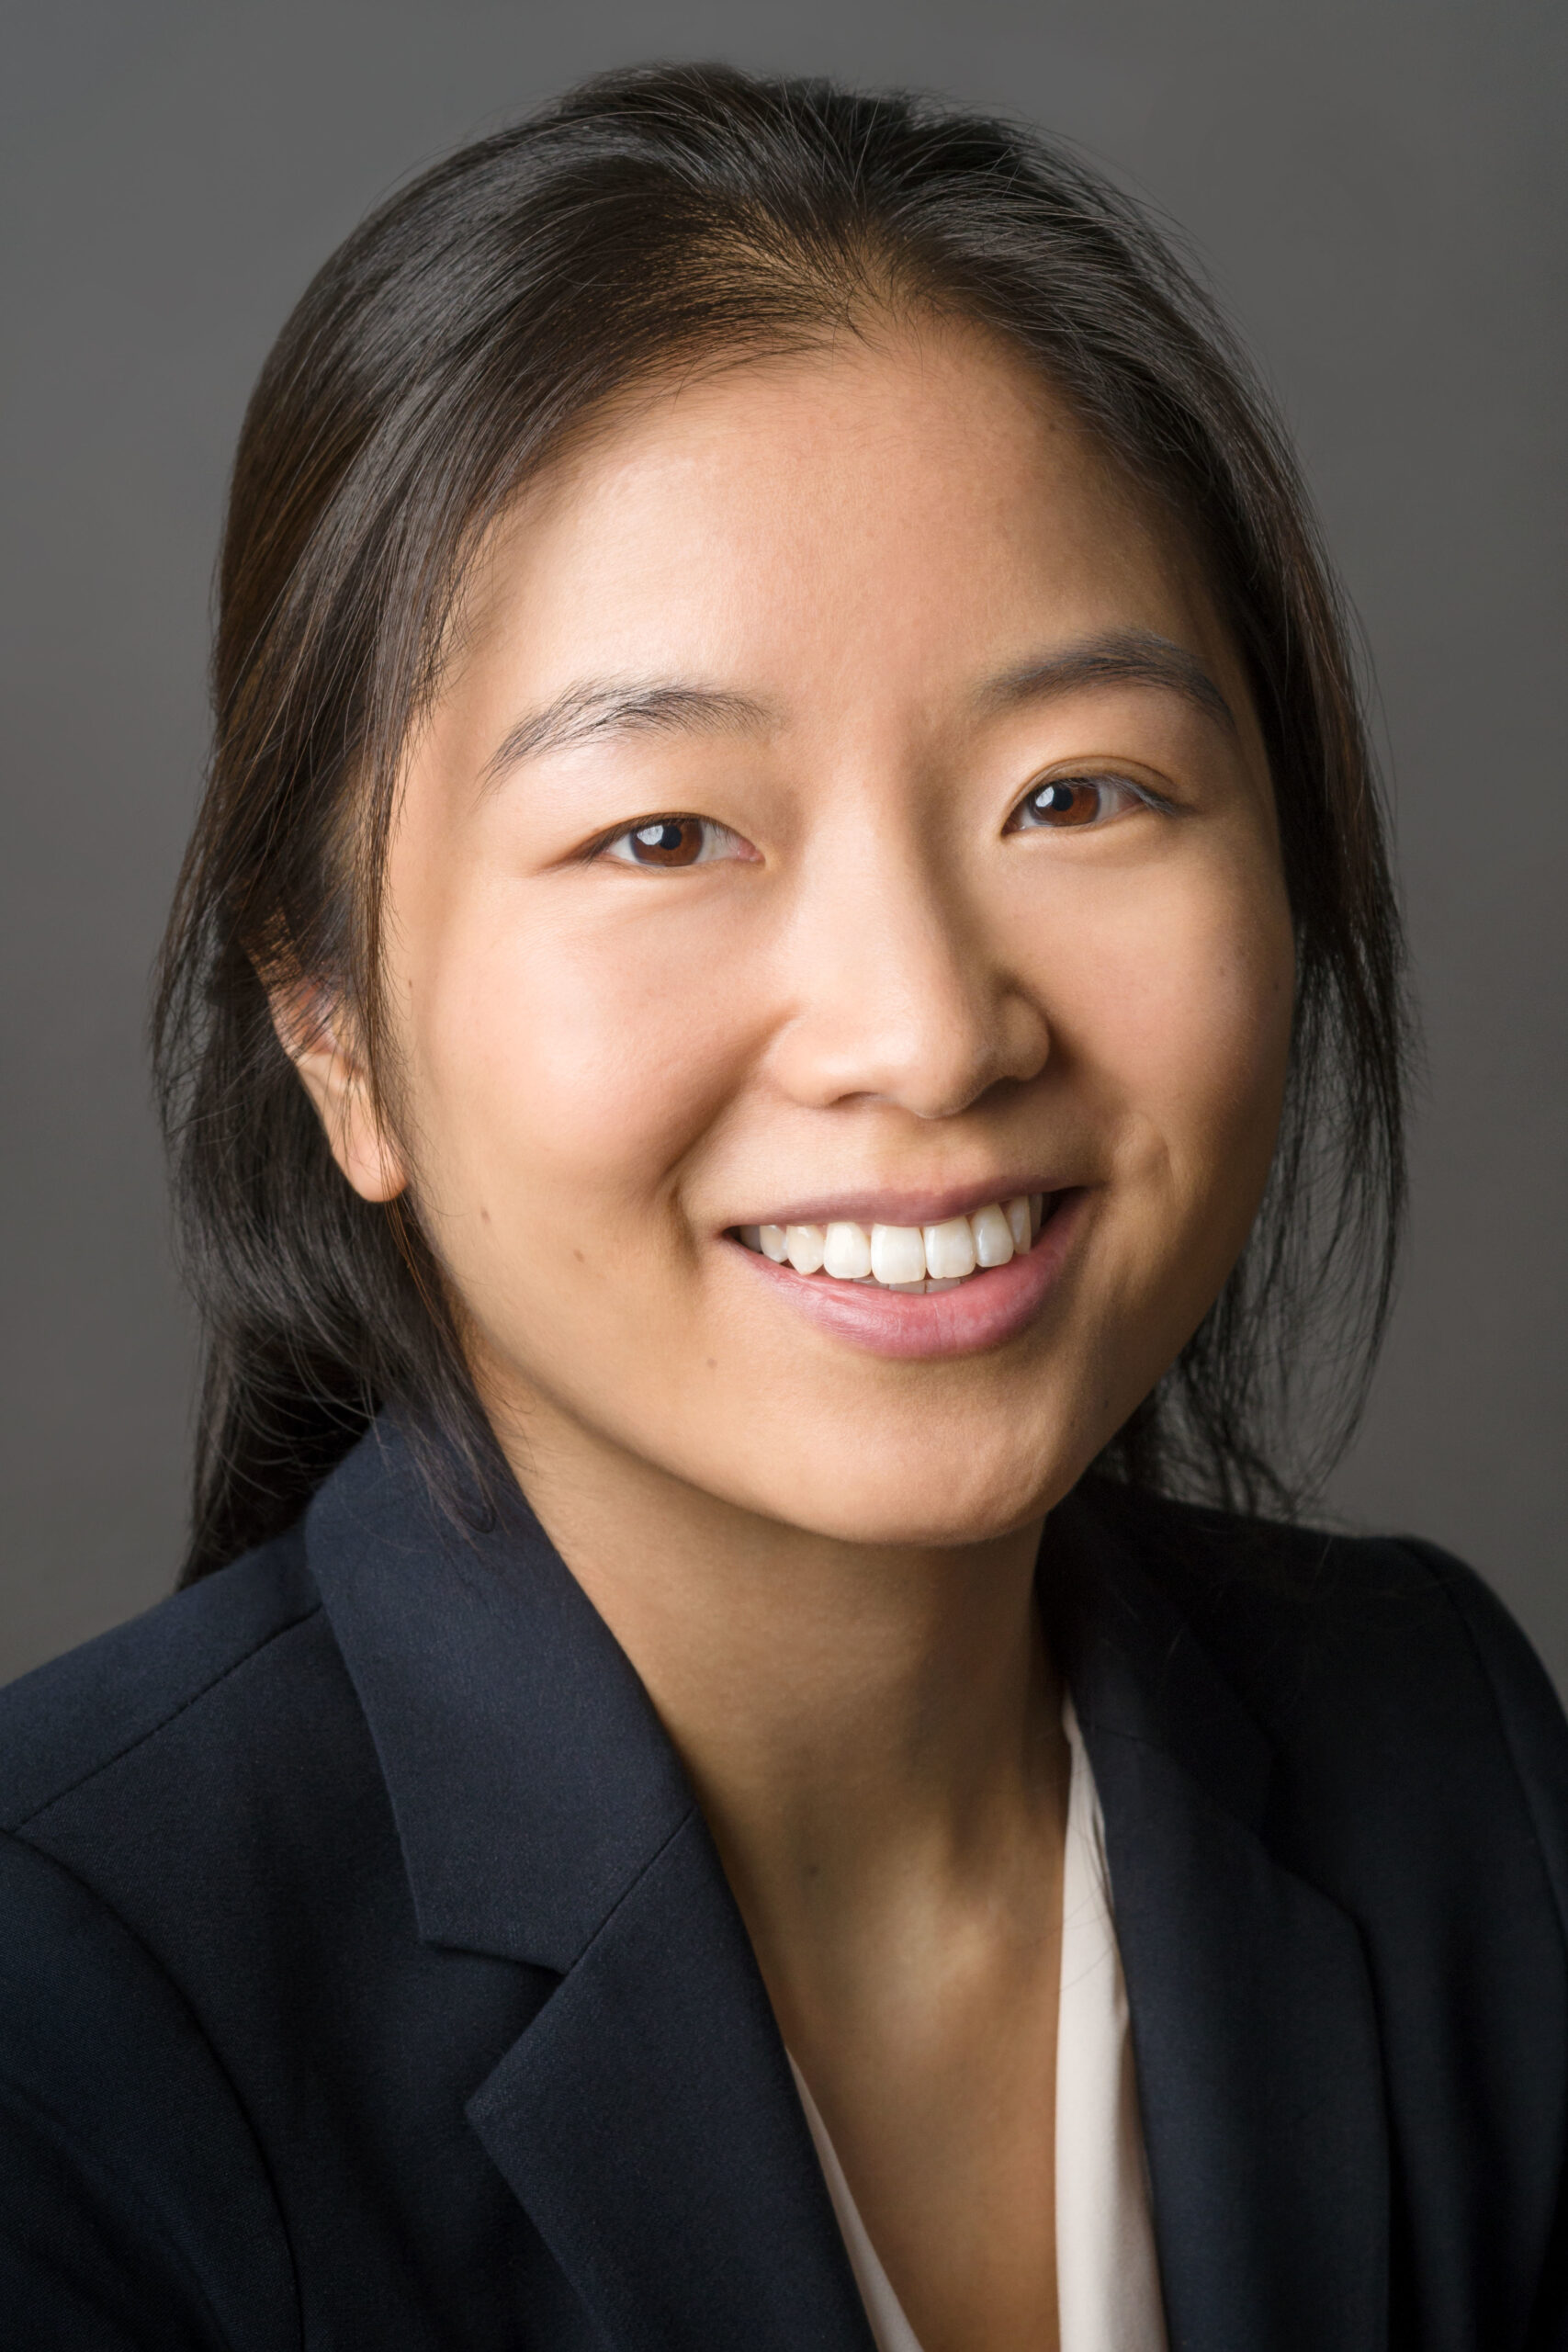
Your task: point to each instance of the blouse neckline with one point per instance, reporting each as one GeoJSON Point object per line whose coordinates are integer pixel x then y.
{"type": "Point", "coordinates": [1107, 2271]}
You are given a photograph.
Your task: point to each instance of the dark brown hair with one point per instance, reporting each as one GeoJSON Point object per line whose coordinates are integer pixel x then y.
{"type": "Point", "coordinates": [645, 220]}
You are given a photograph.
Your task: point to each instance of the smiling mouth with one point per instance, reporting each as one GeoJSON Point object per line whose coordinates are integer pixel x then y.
{"type": "Point", "coordinates": [911, 1258]}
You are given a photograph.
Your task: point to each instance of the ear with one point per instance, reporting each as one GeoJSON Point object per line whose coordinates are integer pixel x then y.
{"type": "Point", "coordinates": [322, 1047]}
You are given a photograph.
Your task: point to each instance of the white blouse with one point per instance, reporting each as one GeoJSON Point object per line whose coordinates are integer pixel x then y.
{"type": "Point", "coordinates": [1107, 2275]}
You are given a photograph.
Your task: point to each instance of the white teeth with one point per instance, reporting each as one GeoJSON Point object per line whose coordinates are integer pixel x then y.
{"type": "Point", "coordinates": [802, 1247]}
{"type": "Point", "coordinates": [897, 1254]}
{"type": "Point", "coordinates": [846, 1252]}
{"type": "Point", "coordinates": [993, 1238]}
{"type": "Point", "coordinates": [905, 1257]}
{"type": "Point", "coordinates": [950, 1249]}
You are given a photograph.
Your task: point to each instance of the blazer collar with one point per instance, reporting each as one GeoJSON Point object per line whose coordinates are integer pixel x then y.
{"type": "Point", "coordinates": [1253, 2023]}
{"type": "Point", "coordinates": [530, 1779]}
{"type": "Point", "coordinates": [1135, 1667]}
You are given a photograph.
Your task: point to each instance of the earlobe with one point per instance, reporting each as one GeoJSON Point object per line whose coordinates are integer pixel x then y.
{"type": "Point", "coordinates": [334, 1074]}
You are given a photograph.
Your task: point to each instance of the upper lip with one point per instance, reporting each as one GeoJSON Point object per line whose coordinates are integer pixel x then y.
{"type": "Point", "coordinates": [898, 1206]}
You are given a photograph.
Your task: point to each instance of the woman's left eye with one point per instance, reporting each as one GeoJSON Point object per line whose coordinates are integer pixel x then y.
{"type": "Point", "coordinates": [1073, 803]}
{"type": "Point", "coordinates": [668, 844]}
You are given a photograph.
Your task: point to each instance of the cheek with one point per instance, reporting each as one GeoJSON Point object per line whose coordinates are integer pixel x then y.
{"type": "Point", "coordinates": [1182, 1005]}
{"type": "Point", "coordinates": [561, 1073]}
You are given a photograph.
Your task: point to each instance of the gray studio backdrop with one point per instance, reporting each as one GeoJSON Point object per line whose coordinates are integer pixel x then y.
{"type": "Point", "coordinates": [1378, 190]}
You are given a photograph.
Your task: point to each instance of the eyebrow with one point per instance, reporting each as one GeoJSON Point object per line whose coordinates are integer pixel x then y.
{"type": "Point", "coordinates": [1125, 657]}
{"type": "Point", "coordinates": [599, 709]}
{"type": "Point", "coordinates": [602, 707]}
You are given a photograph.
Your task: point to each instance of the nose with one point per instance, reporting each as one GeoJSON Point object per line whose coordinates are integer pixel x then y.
{"type": "Point", "coordinates": [900, 989]}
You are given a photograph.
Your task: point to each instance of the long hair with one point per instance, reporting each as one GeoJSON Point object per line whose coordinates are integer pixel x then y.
{"type": "Point", "coordinates": [437, 361]}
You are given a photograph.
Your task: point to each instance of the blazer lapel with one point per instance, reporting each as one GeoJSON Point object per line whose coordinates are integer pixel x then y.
{"type": "Point", "coordinates": [1253, 2025]}
{"type": "Point", "coordinates": [648, 2122]}
{"type": "Point", "coordinates": [646, 2118]}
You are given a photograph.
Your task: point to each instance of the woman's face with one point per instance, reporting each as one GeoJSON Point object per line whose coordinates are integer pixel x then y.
{"type": "Point", "coordinates": [844, 808]}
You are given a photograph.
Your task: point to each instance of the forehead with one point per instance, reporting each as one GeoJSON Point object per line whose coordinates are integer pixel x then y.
{"type": "Point", "coordinates": [889, 516]}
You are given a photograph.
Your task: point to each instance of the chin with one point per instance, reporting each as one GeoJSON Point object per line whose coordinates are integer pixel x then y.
{"type": "Point", "coordinates": [941, 1502]}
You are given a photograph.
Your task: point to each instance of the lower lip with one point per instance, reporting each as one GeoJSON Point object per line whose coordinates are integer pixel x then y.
{"type": "Point", "coordinates": [988, 1309]}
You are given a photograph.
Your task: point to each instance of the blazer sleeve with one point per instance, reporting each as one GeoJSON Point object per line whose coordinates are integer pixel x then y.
{"type": "Point", "coordinates": [1536, 1734]}
{"type": "Point", "coordinates": [136, 2214]}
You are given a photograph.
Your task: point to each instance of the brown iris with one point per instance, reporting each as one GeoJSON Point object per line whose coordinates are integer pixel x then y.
{"type": "Point", "coordinates": [669, 840]}
{"type": "Point", "coordinates": [1071, 801]}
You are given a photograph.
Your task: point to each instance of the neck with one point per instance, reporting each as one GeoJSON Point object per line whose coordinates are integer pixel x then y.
{"type": "Point", "coordinates": [871, 1729]}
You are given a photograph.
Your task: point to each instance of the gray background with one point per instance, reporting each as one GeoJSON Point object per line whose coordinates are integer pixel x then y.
{"type": "Point", "coordinates": [1379, 191]}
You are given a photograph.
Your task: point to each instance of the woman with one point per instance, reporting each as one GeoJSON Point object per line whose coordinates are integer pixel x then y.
{"type": "Point", "coordinates": [781, 1026]}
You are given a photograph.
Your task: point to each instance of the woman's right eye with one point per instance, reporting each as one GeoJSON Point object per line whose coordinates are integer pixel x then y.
{"type": "Point", "coordinates": [670, 843]}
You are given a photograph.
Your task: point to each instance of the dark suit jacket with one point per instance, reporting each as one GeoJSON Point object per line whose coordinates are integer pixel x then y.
{"type": "Point", "coordinates": [368, 1979]}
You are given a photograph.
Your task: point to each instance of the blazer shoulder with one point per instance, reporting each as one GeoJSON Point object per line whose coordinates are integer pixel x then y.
{"type": "Point", "coordinates": [65, 1721]}
{"type": "Point", "coordinates": [1353, 1651]}
{"type": "Point", "coordinates": [1312, 1586]}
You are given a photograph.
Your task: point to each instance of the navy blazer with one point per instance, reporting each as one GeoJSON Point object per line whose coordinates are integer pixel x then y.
{"type": "Point", "coordinates": [370, 1981]}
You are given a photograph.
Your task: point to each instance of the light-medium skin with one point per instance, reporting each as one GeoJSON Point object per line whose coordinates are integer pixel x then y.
{"type": "Point", "coordinates": [840, 615]}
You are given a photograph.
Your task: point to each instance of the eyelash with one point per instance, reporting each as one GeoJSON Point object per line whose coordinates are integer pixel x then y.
{"type": "Point", "coordinates": [666, 855]}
